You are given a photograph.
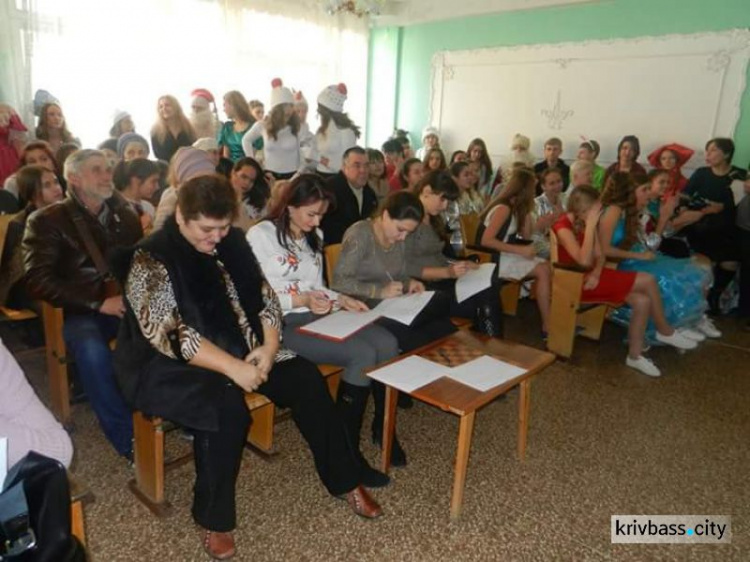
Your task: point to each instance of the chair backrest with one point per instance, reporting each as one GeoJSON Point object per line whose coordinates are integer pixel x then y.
{"type": "Point", "coordinates": [4, 222]}
{"type": "Point", "coordinates": [469, 227]}
{"type": "Point", "coordinates": [332, 253]}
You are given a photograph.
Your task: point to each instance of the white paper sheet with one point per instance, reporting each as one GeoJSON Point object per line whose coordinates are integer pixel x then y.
{"type": "Point", "coordinates": [738, 190]}
{"type": "Point", "coordinates": [404, 309]}
{"type": "Point", "coordinates": [340, 325]}
{"type": "Point", "coordinates": [475, 281]}
{"type": "Point", "coordinates": [484, 373]}
{"type": "Point", "coordinates": [410, 374]}
{"type": "Point", "coordinates": [3, 459]}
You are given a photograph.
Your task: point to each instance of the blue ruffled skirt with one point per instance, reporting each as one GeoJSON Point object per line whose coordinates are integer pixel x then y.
{"type": "Point", "coordinates": [682, 284]}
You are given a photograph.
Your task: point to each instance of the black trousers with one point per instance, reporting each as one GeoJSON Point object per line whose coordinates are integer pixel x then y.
{"type": "Point", "coordinates": [744, 272]}
{"type": "Point", "coordinates": [432, 323]}
{"type": "Point", "coordinates": [295, 384]}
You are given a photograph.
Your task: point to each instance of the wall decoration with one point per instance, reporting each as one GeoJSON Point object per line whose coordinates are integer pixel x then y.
{"type": "Point", "coordinates": [681, 88]}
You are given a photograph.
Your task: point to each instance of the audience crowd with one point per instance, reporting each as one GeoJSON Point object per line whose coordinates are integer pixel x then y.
{"type": "Point", "coordinates": [204, 261]}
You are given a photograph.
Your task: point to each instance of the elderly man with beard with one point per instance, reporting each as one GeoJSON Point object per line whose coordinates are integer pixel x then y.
{"type": "Point", "coordinates": [65, 249]}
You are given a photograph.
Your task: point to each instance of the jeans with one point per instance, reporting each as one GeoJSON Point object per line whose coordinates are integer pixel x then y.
{"type": "Point", "coordinates": [87, 338]}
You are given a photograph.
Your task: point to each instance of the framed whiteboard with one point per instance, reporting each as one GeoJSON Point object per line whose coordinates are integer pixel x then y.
{"type": "Point", "coordinates": [673, 88]}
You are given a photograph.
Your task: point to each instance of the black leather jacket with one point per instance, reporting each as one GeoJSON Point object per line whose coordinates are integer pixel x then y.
{"type": "Point", "coordinates": [58, 268]}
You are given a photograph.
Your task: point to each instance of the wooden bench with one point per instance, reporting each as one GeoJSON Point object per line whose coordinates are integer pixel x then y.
{"type": "Point", "coordinates": [10, 314]}
{"type": "Point", "coordinates": [150, 464]}
{"type": "Point", "coordinates": [568, 316]}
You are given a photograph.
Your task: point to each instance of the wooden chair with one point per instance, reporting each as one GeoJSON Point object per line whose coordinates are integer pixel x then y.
{"type": "Point", "coordinates": [10, 314]}
{"type": "Point", "coordinates": [78, 495]}
{"type": "Point", "coordinates": [57, 362]}
{"type": "Point", "coordinates": [568, 316]}
{"type": "Point", "coordinates": [332, 253]}
{"type": "Point", "coordinates": [150, 464]}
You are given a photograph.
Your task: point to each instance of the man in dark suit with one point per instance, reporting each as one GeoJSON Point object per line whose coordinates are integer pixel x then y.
{"type": "Point", "coordinates": [355, 200]}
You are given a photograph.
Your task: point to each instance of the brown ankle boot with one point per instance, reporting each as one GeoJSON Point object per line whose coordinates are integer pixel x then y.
{"type": "Point", "coordinates": [219, 546]}
{"type": "Point", "coordinates": [363, 504]}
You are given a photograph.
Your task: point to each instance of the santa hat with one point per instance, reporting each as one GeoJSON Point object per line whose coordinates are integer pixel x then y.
{"type": "Point", "coordinates": [427, 131]}
{"type": "Point", "coordinates": [299, 98]}
{"type": "Point", "coordinates": [202, 94]}
{"type": "Point", "coordinates": [333, 97]}
{"type": "Point", "coordinates": [280, 93]}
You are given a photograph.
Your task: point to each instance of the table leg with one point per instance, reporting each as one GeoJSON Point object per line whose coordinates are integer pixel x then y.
{"type": "Point", "coordinates": [524, 402]}
{"type": "Point", "coordinates": [389, 425]}
{"type": "Point", "coordinates": [465, 430]}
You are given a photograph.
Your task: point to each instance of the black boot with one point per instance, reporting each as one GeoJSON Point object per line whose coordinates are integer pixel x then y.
{"type": "Point", "coordinates": [488, 320]}
{"type": "Point", "coordinates": [398, 457]}
{"type": "Point", "coordinates": [722, 279]}
{"type": "Point", "coordinates": [351, 402]}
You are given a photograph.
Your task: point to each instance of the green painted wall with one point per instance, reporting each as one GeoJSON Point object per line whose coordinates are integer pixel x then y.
{"type": "Point", "coordinates": [599, 20]}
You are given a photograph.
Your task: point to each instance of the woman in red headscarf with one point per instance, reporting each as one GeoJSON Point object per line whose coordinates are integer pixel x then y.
{"type": "Point", "coordinates": [672, 157]}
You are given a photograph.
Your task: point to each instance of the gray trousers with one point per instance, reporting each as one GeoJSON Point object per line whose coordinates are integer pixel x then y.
{"type": "Point", "coordinates": [366, 348]}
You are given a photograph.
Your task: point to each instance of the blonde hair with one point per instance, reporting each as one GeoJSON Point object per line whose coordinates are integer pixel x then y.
{"type": "Point", "coordinates": [160, 129]}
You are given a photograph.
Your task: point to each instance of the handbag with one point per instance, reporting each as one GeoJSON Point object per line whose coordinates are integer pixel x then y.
{"type": "Point", "coordinates": [35, 521]}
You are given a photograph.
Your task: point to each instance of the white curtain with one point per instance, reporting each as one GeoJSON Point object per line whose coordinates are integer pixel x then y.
{"type": "Point", "coordinates": [15, 54]}
{"type": "Point", "coordinates": [97, 56]}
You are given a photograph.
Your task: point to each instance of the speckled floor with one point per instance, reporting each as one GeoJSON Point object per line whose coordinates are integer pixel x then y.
{"type": "Point", "coordinates": [603, 440]}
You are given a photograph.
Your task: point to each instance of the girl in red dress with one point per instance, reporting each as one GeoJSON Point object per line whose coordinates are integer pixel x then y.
{"type": "Point", "coordinates": [578, 243]}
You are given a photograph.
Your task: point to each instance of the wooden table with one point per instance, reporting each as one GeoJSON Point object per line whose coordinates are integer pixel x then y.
{"type": "Point", "coordinates": [464, 401]}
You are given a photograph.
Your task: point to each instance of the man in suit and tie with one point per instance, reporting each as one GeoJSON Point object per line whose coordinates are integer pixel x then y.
{"type": "Point", "coordinates": [355, 200]}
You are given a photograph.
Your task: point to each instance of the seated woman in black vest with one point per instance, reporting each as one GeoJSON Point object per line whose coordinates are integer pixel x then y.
{"type": "Point", "coordinates": [201, 329]}
{"type": "Point", "coordinates": [425, 258]}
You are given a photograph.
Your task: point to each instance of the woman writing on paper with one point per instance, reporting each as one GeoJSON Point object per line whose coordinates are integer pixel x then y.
{"type": "Point", "coordinates": [426, 261]}
{"type": "Point", "coordinates": [289, 247]}
{"type": "Point", "coordinates": [372, 266]}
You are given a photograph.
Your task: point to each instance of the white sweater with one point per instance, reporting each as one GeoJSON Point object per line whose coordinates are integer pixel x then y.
{"type": "Point", "coordinates": [282, 155]}
{"type": "Point", "coordinates": [332, 146]}
{"type": "Point", "coordinates": [288, 272]}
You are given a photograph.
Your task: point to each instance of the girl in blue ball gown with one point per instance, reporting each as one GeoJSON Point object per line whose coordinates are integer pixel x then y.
{"type": "Point", "coordinates": [626, 237]}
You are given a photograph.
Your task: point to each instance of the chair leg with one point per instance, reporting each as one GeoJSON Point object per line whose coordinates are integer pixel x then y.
{"type": "Point", "coordinates": [148, 484]}
{"type": "Point", "coordinates": [510, 292]}
{"type": "Point", "coordinates": [57, 370]}
{"type": "Point", "coordinates": [592, 322]}
{"type": "Point", "coordinates": [260, 434]}
{"type": "Point", "coordinates": [566, 297]}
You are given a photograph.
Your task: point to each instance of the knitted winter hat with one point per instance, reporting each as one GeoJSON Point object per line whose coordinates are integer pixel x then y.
{"type": "Point", "coordinates": [119, 115]}
{"type": "Point", "coordinates": [280, 93]}
{"type": "Point", "coordinates": [42, 97]}
{"type": "Point", "coordinates": [427, 131]}
{"type": "Point", "coordinates": [126, 139]}
{"type": "Point", "coordinates": [333, 97]}
{"type": "Point", "coordinates": [299, 98]}
{"type": "Point", "coordinates": [189, 162]}
{"type": "Point", "coordinates": [206, 143]}
{"type": "Point", "coordinates": [203, 94]}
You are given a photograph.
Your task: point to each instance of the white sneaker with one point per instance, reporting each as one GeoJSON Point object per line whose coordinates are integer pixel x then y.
{"type": "Point", "coordinates": [694, 335]}
{"type": "Point", "coordinates": [707, 327]}
{"type": "Point", "coordinates": [644, 365]}
{"type": "Point", "coordinates": [677, 340]}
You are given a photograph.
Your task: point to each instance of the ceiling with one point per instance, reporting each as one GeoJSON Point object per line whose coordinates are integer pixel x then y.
{"type": "Point", "coordinates": [408, 12]}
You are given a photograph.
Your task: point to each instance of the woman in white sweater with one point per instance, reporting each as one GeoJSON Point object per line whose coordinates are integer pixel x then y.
{"type": "Point", "coordinates": [289, 247]}
{"type": "Point", "coordinates": [280, 131]}
{"type": "Point", "coordinates": [337, 132]}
